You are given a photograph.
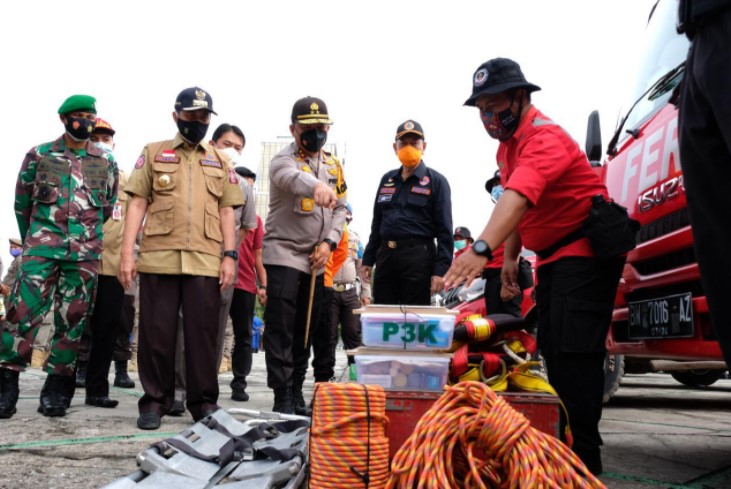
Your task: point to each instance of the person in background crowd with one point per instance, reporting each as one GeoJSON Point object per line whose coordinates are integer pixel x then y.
{"type": "Point", "coordinates": [61, 227]}
{"type": "Point", "coordinates": [304, 225]}
{"type": "Point", "coordinates": [462, 240]}
{"type": "Point", "coordinates": [704, 134]}
{"type": "Point", "coordinates": [413, 206]}
{"type": "Point", "coordinates": [251, 282]}
{"type": "Point", "coordinates": [549, 188]}
{"type": "Point", "coordinates": [105, 320]}
{"type": "Point", "coordinates": [345, 294]}
{"type": "Point", "coordinates": [187, 190]}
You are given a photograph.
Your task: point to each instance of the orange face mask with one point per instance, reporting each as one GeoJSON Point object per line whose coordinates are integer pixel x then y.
{"type": "Point", "coordinates": [409, 156]}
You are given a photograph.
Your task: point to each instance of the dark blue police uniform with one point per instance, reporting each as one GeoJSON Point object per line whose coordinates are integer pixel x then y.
{"type": "Point", "coordinates": [407, 216]}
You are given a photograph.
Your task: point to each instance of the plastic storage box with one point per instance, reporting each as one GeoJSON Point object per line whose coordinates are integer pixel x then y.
{"type": "Point", "coordinates": [407, 330]}
{"type": "Point", "coordinates": [403, 372]}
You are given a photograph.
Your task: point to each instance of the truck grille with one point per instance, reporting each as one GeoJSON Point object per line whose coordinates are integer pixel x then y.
{"type": "Point", "coordinates": [666, 262]}
{"type": "Point", "coordinates": [665, 225]}
{"type": "Point", "coordinates": [693, 287]}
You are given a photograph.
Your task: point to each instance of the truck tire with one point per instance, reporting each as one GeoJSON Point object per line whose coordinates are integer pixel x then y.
{"type": "Point", "coordinates": [698, 378]}
{"type": "Point", "coordinates": [613, 373]}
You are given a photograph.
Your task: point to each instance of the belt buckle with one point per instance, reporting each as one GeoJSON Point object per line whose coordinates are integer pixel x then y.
{"type": "Point", "coordinates": [392, 244]}
{"type": "Point", "coordinates": [339, 287]}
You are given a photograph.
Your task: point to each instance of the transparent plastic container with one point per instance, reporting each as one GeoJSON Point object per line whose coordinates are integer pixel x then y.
{"type": "Point", "coordinates": [407, 331]}
{"type": "Point", "coordinates": [403, 372]}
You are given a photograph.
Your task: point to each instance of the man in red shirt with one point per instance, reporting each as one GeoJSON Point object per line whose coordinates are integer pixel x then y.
{"type": "Point", "coordinates": [250, 271]}
{"type": "Point", "coordinates": [549, 186]}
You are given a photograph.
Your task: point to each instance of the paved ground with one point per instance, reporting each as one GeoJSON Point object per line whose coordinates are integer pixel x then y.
{"type": "Point", "coordinates": [657, 433]}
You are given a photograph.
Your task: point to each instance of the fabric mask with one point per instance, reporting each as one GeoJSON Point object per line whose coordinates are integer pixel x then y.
{"type": "Point", "coordinates": [192, 131]}
{"type": "Point", "coordinates": [232, 154]}
{"type": "Point", "coordinates": [409, 156]}
{"type": "Point", "coordinates": [502, 125]}
{"type": "Point", "coordinates": [460, 244]}
{"type": "Point", "coordinates": [497, 192]}
{"type": "Point", "coordinates": [79, 128]}
{"type": "Point", "coordinates": [16, 252]}
{"type": "Point", "coordinates": [313, 140]}
{"type": "Point", "coordinates": [107, 148]}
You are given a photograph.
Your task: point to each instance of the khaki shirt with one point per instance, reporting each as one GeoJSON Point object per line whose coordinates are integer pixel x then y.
{"type": "Point", "coordinates": [113, 232]}
{"type": "Point", "coordinates": [295, 224]}
{"type": "Point", "coordinates": [185, 189]}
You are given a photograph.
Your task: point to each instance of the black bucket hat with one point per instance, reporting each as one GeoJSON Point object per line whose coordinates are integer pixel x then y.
{"type": "Point", "coordinates": [496, 76]}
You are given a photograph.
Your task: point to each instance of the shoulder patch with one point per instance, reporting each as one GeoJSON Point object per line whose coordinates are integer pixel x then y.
{"type": "Point", "coordinates": [232, 176]}
{"type": "Point", "coordinates": [140, 162]}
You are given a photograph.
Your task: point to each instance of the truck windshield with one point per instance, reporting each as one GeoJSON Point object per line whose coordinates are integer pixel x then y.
{"type": "Point", "coordinates": [664, 51]}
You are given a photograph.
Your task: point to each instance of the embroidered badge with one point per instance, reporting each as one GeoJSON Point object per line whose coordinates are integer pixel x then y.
{"type": "Point", "coordinates": [307, 205]}
{"type": "Point", "coordinates": [117, 212]}
{"type": "Point", "coordinates": [332, 171]}
{"type": "Point", "coordinates": [420, 190]}
{"type": "Point", "coordinates": [306, 169]}
{"type": "Point", "coordinates": [385, 198]}
{"type": "Point", "coordinates": [140, 162]}
{"type": "Point", "coordinates": [212, 163]}
{"type": "Point", "coordinates": [424, 181]}
{"type": "Point", "coordinates": [386, 190]}
{"type": "Point", "coordinates": [232, 176]}
{"type": "Point", "coordinates": [167, 159]}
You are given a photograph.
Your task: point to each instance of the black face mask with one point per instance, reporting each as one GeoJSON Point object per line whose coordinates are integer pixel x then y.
{"type": "Point", "coordinates": [313, 140]}
{"type": "Point", "coordinates": [502, 125]}
{"type": "Point", "coordinates": [192, 131]}
{"type": "Point", "coordinates": [79, 128]}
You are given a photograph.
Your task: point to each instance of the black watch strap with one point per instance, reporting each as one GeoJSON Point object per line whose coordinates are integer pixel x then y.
{"type": "Point", "coordinates": [232, 253]}
{"type": "Point", "coordinates": [333, 245]}
{"type": "Point", "coordinates": [481, 248]}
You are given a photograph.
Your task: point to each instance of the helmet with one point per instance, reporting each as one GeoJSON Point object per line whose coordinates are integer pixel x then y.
{"type": "Point", "coordinates": [495, 180]}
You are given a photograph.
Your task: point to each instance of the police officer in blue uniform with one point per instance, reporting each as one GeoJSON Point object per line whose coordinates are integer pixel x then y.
{"type": "Point", "coordinates": [413, 207]}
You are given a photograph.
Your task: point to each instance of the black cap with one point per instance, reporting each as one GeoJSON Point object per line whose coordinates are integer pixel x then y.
{"type": "Point", "coordinates": [462, 231]}
{"type": "Point", "coordinates": [310, 110]}
{"type": "Point", "coordinates": [495, 180]}
{"type": "Point", "coordinates": [496, 76]}
{"type": "Point", "coordinates": [245, 172]}
{"type": "Point", "coordinates": [194, 98]}
{"type": "Point", "coordinates": [409, 127]}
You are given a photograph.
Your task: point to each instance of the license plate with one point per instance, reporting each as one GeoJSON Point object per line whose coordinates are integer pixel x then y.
{"type": "Point", "coordinates": [665, 317]}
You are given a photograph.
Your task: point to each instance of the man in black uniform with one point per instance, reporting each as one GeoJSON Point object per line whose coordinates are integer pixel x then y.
{"type": "Point", "coordinates": [704, 130]}
{"type": "Point", "coordinates": [413, 207]}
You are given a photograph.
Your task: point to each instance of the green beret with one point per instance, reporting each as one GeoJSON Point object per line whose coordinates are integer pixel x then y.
{"type": "Point", "coordinates": [85, 103]}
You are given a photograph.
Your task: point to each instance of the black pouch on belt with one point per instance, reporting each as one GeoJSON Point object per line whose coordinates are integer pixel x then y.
{"type": "Point", "coordinates": [609, 228]}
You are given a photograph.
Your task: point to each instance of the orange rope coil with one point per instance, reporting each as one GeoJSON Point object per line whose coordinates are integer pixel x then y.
{"type": "Point", "coordinates": [472, 438]}
{"type": "Point", "coordinates": [348, 443]}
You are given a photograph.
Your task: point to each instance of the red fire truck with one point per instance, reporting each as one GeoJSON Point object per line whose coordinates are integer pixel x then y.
{"type": "Point", "coordinates": [661, 320]}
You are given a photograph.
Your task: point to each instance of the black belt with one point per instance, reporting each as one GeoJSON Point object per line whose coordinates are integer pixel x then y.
{"type": "Point", "coordinates": [406, 242]}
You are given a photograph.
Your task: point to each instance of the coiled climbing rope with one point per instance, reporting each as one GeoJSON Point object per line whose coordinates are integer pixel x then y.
{"type": "Point", "coordinates": [472, 438]}
{"type": "Point", "coordinates": [348, 443]}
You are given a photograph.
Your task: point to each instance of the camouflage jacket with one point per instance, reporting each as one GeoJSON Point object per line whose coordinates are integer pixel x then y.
{"type": "Point", "coordinates": [62, 199]}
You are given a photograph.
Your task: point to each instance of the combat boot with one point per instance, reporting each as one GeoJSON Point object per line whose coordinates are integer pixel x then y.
{"type": "Point", "coordinates": [283, 400]}
{"type": "Point", "coordinates": [121, 378]}
{"type": "Point", "coordinates": [53, 401]}
{"type": "Point", "coordinates": [8, 392]}
{"type": "Point", "coordinates": [81, 374]}
{"type": "Point", "coordinates": [300, 406]}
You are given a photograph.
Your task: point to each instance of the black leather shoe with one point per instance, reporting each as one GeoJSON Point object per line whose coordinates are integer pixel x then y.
{"type": "Point", "coordinates": [101, 401]}
{"type": "Point", "coordinates": [178, 409]}
{"type": "Point", "coordinates": [239, 395]}
{"type": "Point", "coordinates": [148, 421]}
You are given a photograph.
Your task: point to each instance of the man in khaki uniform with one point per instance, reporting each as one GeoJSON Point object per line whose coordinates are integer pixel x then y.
{"type": "Point", "coordinates": [187, 189]}
{"type": "Point", "coordinates": [306, 212]}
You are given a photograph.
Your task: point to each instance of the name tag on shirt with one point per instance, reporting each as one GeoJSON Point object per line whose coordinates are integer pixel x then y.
{"type": "Point", "coordinates": [385, 198]}
{"type": "Point", "coordinates": [386, 190]}
{"type": "Point", "coordinates": [421, 190]}
{"type": "Point", "coordinates": [213, 163]}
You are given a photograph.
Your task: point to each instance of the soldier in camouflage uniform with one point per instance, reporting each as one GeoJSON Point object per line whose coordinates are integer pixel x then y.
{"type": "Point", "coordinates": [65, 192]}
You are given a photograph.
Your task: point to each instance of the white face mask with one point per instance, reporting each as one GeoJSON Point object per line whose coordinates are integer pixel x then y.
{"type": "Point", "coordinates": [107, 148]}
{"type": "Point", "coordinates": [233, 154]}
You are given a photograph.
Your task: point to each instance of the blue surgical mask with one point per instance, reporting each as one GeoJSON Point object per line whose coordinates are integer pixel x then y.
{"type": "Point", "coordinates": [496, 192]}
{"type": "Point", "coordinates": [16, 252]}
{"type": "Point", "coordinates": [460, 244]}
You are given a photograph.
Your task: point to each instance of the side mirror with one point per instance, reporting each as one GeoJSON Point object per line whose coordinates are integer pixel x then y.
{"type": "Point", "coordinates": [594, 139]}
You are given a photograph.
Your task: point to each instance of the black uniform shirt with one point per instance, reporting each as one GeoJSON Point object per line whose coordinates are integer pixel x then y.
{"type": "Point", "coordinates": [419, 207]}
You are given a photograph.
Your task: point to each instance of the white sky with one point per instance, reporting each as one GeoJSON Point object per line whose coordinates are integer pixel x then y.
{"type": "Point", "coordinates": [374, 63]}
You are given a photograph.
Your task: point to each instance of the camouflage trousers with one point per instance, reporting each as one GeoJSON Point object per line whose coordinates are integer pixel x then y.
{"type": "Point", "coordinates": [71, 285]}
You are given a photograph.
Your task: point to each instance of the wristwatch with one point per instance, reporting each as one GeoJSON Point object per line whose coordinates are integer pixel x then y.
{"type": "Point", "coordinates": [232, 253]}
{"type": "Point", "coordinates": [481, 248]}
{"type": "Point", "coordinates": [333, 245]}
